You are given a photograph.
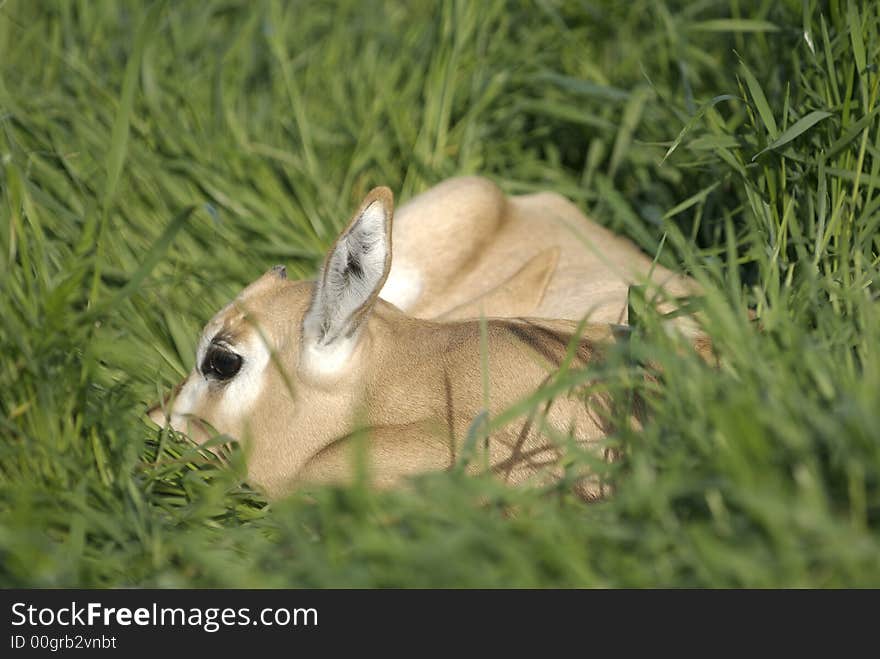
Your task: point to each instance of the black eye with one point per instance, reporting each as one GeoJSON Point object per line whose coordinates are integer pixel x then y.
{"type": "Point", "coordinates": [221, 363]}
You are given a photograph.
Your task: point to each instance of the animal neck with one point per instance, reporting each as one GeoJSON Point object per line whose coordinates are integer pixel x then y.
{"type": "Point", "coordinates": [427, 372]}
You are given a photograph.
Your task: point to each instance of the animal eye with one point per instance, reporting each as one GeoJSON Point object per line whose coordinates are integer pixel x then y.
{"type": "Point", "coordinates": [221, 363]}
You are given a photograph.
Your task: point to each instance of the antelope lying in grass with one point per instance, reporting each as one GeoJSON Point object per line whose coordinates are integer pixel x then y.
{"type": "Point", "coordinates": [296, 369]}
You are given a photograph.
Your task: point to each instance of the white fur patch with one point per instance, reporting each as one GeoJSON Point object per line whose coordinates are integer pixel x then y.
{"type": "Point", "coordinates": [327, 360]}
{"type": "Point", "coordinates": [238, 395]}
{"type": "Point", "coordinates": [403, 286]}
{"type": "Point", "coordinates": [187, 400]}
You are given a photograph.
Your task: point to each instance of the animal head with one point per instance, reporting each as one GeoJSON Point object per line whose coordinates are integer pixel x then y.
{"type": "Point", "coordinates": [265, 358]}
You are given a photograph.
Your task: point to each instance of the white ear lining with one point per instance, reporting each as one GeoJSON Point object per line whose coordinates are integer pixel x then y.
{"type": "Point", "coordinates": [372, 220]}
{"type": "Point", "coordinates": [352, 274]}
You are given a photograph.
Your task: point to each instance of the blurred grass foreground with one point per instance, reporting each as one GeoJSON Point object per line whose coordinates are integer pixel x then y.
{"type": "Point", "coordinates": [735, 139]}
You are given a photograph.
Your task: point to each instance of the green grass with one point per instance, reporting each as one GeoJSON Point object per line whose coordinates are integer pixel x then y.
{"type": "Point", "coordinates": [154, 158]}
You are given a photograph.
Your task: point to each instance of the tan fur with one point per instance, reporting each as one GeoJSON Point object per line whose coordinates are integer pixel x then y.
{"type": "Point", "coordinates": [467, 239]}
{"type": "Point", "coordinates": [519, 295]}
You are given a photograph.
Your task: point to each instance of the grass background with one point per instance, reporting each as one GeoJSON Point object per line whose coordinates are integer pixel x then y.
{"type": "Point", "coordinates": [155, 157]}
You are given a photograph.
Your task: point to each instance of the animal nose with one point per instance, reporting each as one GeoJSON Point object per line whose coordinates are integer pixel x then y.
{"type": "Point", "coordinates": [280, 270]}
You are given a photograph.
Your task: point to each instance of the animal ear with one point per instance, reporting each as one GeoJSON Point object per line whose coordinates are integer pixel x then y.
{"type": "Point", "coordinates": [354, 272]}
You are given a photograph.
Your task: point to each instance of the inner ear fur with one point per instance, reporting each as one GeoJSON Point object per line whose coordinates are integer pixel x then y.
{"type": "Point", "coordinates": [354, 271]}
